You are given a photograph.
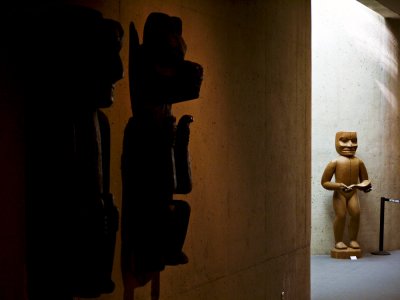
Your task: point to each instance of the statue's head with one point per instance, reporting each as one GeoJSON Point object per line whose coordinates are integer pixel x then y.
{"type": "Point", "coordinates": [73, 56]}
{"type": "Point", "coordinates": [162, 38]}
{"type": "Point", "coordinates": [103, 62]}
{"type": "Point", "coordinates": [346, 143]}
{"type": "Point", "coordinates": [169, 77]}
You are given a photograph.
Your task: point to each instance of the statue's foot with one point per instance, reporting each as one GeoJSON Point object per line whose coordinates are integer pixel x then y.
{"type": "Point", "coordinates": [354, 245]}
{"type": "Point", "coordinates": [340, 245]}
{"type": "Point", "coordinates": [176, 259]}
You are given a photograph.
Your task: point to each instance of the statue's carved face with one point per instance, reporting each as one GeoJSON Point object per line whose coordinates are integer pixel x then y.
{"type": "Point", "coordinates": [100, 63]}
{"type": "Point", "coordinates": [76, 51]}
{"type": "Point", "coordinates": [346, 143]}
{"type": "Point", "coordinates": [170, 78]}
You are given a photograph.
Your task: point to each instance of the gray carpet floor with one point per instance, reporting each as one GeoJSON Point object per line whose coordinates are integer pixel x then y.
{"type": "Point", "coordinates": [372, 277]}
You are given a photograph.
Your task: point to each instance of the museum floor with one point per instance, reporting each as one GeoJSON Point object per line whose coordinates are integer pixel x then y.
{"type": "Point", "coordinates": [371, 277]}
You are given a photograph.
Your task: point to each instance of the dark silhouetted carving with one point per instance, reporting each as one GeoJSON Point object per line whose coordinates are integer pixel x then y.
{"type": "Point", "coordinates": [155, 161]}
{"type": "Point", "coordinates": [70, 62]}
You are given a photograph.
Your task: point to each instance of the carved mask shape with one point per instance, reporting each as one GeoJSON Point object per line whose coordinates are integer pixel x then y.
{"type": "Point", "coordinates": [346, 143]}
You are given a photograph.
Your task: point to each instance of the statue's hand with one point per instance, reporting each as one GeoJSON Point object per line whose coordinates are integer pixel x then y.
{"type": "Point", "coordinates": [183, 130]}
{"type": "Point", "coordinates": [367, 190]}
{"type": "Point", "coordinates": [346, 188]}
{"type": "Point", "coordinates": [365, 186]}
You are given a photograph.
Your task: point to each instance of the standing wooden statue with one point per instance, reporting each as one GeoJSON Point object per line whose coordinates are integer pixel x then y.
{"type": "Point", "coordinates": [350, 175]}
{"type": "Point", "coordinates": [68, 73]}
{"type": "Point", "coordinates": [155, 163]}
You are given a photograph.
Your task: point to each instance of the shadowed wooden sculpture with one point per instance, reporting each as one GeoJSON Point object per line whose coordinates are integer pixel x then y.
{"type": "Point", "coordinates": [70, 63]}
{"type": "Point", "coordinates": [350, 175]}
{"type": "Point", "coordinates": [155, 161]}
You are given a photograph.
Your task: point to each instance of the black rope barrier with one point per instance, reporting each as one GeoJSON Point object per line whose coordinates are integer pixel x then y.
{"type": "Point", "coordinates": [382, 225]}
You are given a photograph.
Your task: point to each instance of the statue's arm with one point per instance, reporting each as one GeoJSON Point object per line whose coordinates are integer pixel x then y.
{"type": "Point", "coordinates": [365, 183]}
{"type": "Point", "coordinates": [327, 177]}
{"type": "Point", "coordinates": [363, 172]}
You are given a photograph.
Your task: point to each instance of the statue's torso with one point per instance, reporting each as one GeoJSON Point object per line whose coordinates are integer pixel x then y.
{"type": "Point", "coordinates": [347, 170]}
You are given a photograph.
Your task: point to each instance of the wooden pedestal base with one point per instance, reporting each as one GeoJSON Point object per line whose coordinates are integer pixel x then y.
{"type": "Point", "coordinates": [346, 253]}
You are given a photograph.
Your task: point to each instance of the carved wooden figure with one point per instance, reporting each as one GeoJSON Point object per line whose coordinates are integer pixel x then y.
{"type": "Point", "coordinates": [350, 175]}
{"type": "Point", "coordinates": [155, 162]}
{"type": "Point", "coordinates": [69, 72]}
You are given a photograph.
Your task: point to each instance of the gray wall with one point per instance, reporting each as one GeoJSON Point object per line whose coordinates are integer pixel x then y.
{"type": "Point", "coordinates": [249, 231]}
{"type": "Point", "coordinates": [355, 87]}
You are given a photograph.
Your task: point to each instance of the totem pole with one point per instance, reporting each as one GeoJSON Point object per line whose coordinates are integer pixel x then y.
{"type": "Point", "coordinates": [155, 161]}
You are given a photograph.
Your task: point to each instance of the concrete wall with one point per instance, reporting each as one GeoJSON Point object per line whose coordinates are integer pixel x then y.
{"type": "Point", "coordinates": [355, 87]}
{"type": "Point", "coordinates": [249, 231]}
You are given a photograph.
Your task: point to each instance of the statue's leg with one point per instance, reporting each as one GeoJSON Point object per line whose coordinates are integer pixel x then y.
{"type": "Point", "coordinates": [177, 225]}
{"type": "Point", "coordinates": [339, 206]}
{"type": "Point", "coordinates": [155, 286]}
{"type": "Point", "coordinates": [129, 286]}
{"type": "Point", "coordinates": [354, 224]}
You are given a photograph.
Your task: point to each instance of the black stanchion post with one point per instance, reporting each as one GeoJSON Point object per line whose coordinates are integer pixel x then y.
{"type": "Point", "coordinates": [381, 229]}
